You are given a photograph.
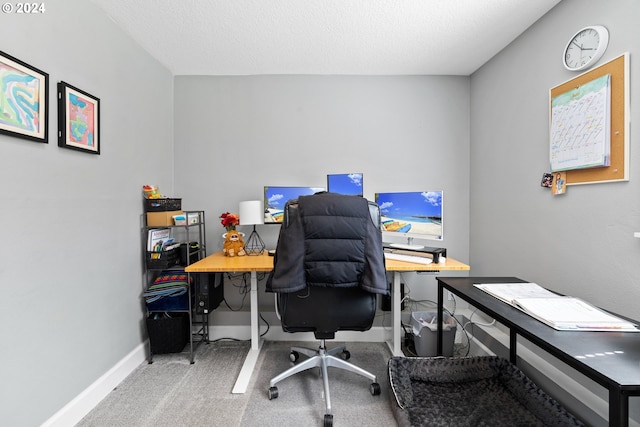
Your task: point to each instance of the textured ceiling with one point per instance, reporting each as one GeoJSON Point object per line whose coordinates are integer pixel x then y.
{"type": "Point", "coordinates": [359, 37]}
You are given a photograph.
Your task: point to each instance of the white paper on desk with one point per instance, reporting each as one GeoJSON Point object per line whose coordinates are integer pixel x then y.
{"type": "Point", "coordinates": [569, 313]}
{"type": "Point", "coordinates": [558, 311]}
{"type": "Point", "coordinates": [509, 292]}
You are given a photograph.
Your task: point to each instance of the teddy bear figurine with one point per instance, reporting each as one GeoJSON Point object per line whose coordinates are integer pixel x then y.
{"type": "Point", "coordinates": [233, 244]}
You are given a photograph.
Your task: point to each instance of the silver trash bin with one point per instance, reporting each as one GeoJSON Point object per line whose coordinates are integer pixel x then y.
{"type": "Point", "coordinates": [425, 333]}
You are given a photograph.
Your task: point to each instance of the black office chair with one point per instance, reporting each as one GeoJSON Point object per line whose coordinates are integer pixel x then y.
{"type": "Point", "coordinates": [328, 269]}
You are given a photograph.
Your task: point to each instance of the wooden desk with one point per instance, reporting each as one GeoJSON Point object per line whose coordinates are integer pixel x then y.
{"type": "Point", "coordinates": [219, 263]}
{"type": "Point", "coordinates": [609, 358]}
{"type": "Point", "coordinates": [264, 263]}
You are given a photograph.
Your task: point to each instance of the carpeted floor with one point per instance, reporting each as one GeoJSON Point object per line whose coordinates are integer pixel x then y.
{"type": "Point", "coordinates": [173, 392]}
{"type": "Point", "coordinates": [301, 398]}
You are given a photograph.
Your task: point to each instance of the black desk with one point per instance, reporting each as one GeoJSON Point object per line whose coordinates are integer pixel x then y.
{"type": "Point", "coordinates": [612, 359]}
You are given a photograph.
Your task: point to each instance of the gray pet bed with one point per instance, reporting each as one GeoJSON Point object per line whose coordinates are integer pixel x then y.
{"type": "Point", "coordinates": [469, 391]}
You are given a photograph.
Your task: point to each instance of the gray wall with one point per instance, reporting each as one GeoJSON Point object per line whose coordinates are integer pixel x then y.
{"type": "Point", "coordinates": [234, 135]}
{"type": "Point", "coordinates": [580, 243]}
{"type": "Point", "coordinates": [70, 264]}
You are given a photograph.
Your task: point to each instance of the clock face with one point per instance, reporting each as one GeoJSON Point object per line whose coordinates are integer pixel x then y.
{"type": "Point", "coordinates": [585, 48]}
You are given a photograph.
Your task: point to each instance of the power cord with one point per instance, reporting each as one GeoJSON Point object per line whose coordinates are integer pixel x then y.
{"type": "Point", "coordinates": [266, 323]}
{"type": "Point", "coordinates": [243, 288]}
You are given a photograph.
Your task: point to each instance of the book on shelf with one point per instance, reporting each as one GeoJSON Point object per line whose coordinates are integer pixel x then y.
{"type": "Point", "coordinates": [564, 313]}
{"type": "Point", "coordinates": [158, 238]}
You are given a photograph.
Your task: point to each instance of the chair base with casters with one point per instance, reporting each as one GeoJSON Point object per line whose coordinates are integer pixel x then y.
{"type": "Point", "coordinates": [323, 358]}
{"type": "Point", "coordinates": [328, 270]}
{"type": "Point", "coordinates": [300, 312]}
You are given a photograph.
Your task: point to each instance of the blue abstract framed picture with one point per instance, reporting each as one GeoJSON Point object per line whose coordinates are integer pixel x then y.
{"type": "Point", "coordinates": [24, 103]}
{"type": "Point", "coordinates": [78, 119]}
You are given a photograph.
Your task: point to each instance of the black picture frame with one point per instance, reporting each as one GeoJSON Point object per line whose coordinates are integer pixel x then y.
{"type": "Point", "coordinates": [24, 100]}
{"type": "Point", "coordinates": [78, 119]}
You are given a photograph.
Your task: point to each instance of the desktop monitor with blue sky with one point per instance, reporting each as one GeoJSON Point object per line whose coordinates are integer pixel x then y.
{"type": "Point", "coordinates": [275, 198]}
{"type": "Point", "coordinates": [345, 183]}
{"type": "Point", "coordinates": [412, 214]}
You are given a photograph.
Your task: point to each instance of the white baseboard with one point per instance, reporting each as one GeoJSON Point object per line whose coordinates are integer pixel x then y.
{"type": "Point", "coordinates": [375, 334]}
{"type": "Point", "coordinates": [82, 404]}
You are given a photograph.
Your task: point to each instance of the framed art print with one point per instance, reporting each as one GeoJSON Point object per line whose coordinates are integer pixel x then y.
{"type": "Point", "coordinates": [24, 103]}
{"type": "Point", "coordinates": [78, 119]}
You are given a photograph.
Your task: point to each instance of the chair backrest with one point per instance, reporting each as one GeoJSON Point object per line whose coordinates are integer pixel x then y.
{"type": "Point", "coordinates": [333, 246]}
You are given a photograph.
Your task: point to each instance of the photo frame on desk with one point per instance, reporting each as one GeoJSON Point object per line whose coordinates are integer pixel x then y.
{"type": "Point", "coordinates": [78, 119]}
{"type": "Point", "coordinates": [24, 102]}
{"type": "Point", "coordinates": [618, 166]}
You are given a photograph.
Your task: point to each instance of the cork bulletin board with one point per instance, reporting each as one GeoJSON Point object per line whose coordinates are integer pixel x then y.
{"type": "Point", "coordinates": [618, 168]}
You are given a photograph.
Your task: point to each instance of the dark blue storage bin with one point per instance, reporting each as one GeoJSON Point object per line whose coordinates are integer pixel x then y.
{"type": "Point", "coordinates": [180, 302]}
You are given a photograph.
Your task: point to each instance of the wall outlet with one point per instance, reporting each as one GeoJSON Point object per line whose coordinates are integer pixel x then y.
{"type": "Point", "coordinates": [449, 296]}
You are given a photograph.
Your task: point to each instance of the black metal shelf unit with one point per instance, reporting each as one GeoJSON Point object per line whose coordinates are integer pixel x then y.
{"type": "Point", "coordinates": [171, 320]}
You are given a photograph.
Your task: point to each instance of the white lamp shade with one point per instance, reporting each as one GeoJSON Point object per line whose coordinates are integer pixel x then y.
{"type": "Point", "coordinates": [251, 212]}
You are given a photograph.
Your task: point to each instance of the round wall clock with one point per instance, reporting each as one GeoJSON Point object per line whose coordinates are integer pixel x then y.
{"type": "Point", "coordinates": [585, 48]}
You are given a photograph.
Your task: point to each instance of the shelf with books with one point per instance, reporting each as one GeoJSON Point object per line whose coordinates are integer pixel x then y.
{"type": "Point", "coordinates": [169, 291]}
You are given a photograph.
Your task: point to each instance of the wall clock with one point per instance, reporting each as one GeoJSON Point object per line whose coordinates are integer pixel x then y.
{"type": "Point", "coordinates": [585, 48]}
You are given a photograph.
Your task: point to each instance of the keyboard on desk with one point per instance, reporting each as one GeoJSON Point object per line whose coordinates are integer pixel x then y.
{"type": "Point", "coordinates": [408, 258]}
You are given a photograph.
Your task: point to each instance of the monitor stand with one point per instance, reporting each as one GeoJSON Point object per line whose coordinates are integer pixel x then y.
{"type": "Point", "coordinates": [407, 246]}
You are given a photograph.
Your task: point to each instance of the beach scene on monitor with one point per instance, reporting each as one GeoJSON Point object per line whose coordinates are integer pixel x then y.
{"type": "Point", "coordinates": [345, 183]}
{"type": "Point", "coordinates": [275, 198]}
{"type": "Point", "coordinates": [418, 213]}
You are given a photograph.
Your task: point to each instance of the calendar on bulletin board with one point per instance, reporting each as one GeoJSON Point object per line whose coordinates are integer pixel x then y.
{"type": "Point", "coordinates": [580, 126]}
{"type": "Point", "coordinates": [589, 125]}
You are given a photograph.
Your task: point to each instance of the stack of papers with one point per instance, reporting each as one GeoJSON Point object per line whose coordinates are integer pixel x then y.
{"type": "Point", "coordinates": [564, 313]}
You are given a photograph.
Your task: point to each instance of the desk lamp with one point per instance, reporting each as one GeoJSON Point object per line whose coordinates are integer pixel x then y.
{"type": "Point", "coordinates": [252, 213]}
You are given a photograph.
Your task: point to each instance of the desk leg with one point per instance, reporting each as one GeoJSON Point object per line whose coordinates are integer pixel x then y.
{"type": "Point", "coordinates": [256, 343]}
{"type": "Point", "coordinates": [440, 316]}
{"type": "Point", "coordinates": [618, 408]}
{"type": "Point", "coordinates": [396, 311]}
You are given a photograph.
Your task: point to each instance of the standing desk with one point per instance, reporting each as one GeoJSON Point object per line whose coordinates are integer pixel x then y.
{"type": "Point", "coordinates": [219, 263]}
{"type": "Point", "coordinates": [609, 358]}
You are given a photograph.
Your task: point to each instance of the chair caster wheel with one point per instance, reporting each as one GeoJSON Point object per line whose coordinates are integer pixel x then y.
{"type": "Point", "coordinates": [328, 420]}
{"type": "Point", "coordinates": [346, 355]}
{"type": "Point", "coordinates": [374, 388]}
{"type": "Point", "coordinates": [273, 392]}
{"type": "Point", "coordinates": [294, 356]}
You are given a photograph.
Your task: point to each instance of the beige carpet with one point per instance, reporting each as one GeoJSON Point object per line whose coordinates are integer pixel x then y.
{"type": "Point", "coordinates": [173, 392]}
{"type": "Point", "coordinates": [301, 397]}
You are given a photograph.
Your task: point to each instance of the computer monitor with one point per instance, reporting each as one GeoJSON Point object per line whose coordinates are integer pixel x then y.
{"type": "Point", "coordinates": [345, 183]}
{"type": "Point", "coordinates": [414, 214]}
{"type": "Point", "coordinates": [276, 197]}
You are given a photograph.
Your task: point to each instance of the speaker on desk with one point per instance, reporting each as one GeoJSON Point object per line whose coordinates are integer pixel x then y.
{"type": "Point", "coordinates": [209, 292]}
